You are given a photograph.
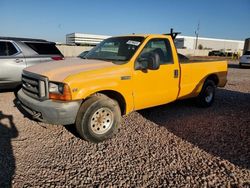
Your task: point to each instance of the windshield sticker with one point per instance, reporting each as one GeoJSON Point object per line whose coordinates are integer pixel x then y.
{"type": "Point", "coordinates": [132, 42]}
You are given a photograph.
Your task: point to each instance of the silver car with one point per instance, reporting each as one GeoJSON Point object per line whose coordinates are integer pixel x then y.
{"type": "Point", "coordinates": [19, 53]}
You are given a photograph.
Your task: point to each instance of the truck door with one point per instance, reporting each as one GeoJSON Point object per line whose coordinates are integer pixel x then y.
{"type": "Point", "coordinates": [155, 87]}
{"type": "Point", "coordinates": [12, 62]}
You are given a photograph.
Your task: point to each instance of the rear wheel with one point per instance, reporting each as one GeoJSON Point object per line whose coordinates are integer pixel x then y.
{"type": "Point", "coordinates": [206, 96]}
{"type": "Point", "coordinates": [98, 118]}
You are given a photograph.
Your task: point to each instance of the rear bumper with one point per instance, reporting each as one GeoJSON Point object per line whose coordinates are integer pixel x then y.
{"type": "Point", "coordinates": [49, 111]}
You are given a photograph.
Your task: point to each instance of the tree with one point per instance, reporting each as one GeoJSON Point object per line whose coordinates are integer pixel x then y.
{"type": "Point", "coordinates": [200, 47]}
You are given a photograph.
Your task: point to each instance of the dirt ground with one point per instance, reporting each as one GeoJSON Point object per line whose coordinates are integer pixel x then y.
{"type": "Point", "coordinates": [174, 145]}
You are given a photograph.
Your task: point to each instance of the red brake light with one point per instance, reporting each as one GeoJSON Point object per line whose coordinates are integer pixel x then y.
{"type": "Point", "coordinates": [57, 58]}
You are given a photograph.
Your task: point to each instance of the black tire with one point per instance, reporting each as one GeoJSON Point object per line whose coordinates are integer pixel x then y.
{"type": "Point", "coordinates": [98, 118]}
{"type": "Point", "coordinates": [240, 65]}
{"type": "Point", "coordinates": [206, 96]}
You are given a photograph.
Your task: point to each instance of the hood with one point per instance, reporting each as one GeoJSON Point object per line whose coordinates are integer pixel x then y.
{"type": "Point", "coordinates": [60, 70]}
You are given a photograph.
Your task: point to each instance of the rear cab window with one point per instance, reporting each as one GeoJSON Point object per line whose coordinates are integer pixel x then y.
{"type": "Point", "coordinates": [43, 48]}
{"type": "Point", "coordinates": [7, 48]}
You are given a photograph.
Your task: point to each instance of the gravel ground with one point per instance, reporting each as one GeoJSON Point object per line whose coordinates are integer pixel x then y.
{"type": "Point", "coordinates": [174, 145]}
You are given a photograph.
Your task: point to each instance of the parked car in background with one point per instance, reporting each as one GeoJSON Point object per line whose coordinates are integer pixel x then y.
{"type": "Point", "coordinates": [216, 53]}
{"type": "Point", "coordinates": [83, 54]}
{"type": "Point", "coordinates": [245, 59]}
{"type": "Point", "coordinates": [19, 53]}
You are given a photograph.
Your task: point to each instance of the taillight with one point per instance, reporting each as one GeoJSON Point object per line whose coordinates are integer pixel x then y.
{"type": "Point", "coordinates": [57, 58]}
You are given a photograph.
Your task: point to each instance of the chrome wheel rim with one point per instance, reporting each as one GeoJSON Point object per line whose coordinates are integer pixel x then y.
{"type": "Point", "coordinates": [209, 94]}
{"type": "Point", "coordinates": [101, 120]}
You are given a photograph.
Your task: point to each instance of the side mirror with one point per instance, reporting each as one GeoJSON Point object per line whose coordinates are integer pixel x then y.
{"type": "Point", "coordinates": [149, 61]}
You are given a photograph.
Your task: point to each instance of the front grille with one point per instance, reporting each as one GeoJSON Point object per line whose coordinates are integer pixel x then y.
{"type": "Point", "coordinates": [35, 86]}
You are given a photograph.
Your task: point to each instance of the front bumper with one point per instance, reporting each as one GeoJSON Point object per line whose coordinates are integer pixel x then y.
{"type": "Point", "coordinates": [49, 111]}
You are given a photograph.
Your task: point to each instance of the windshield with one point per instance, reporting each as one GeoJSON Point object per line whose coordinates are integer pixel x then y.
{"type": "Point", "coordinates": [119, 50]}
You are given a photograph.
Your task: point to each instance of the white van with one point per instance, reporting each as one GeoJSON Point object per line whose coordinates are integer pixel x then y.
{"type": "Point", "coordinates": [245, 59]}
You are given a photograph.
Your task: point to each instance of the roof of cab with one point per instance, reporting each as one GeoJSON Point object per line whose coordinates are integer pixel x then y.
{"type": "Point", "coordinates": [143, 35]}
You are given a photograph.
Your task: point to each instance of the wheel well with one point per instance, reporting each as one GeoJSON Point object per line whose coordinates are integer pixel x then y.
{"type": "Point", "coordinates": [118, 97]}
{"type": "Point", "coordinates": [214, 78]}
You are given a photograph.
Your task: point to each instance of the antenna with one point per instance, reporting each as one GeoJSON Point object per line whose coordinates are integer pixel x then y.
{"type": "Point", "coordinates": [197, 34]}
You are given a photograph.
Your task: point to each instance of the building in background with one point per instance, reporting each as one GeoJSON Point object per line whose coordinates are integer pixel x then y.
{"type": "Point", "coordinates": [181, 42]}
{"type": "Point", "coordinates": [84, 39]}
{"type": "Point", "coordinates": [186, 42]}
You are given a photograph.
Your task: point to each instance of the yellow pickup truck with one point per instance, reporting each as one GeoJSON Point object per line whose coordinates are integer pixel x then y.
{"type": "Point", "coordinates": [118, 76]}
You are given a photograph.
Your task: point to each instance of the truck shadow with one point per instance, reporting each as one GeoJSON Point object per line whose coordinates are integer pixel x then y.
{"type": "Point", "coordinates": [221, 130]}
{"type": "Point", "coordinates": [8, 131]}
{"type": "Point", "coordinates": [71, 128]}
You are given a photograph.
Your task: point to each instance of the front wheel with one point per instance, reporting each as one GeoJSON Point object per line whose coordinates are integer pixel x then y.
{"type": "Point", "coordinates": [206, 96]}
{"type": "Point", "coordinates": [98, 118]}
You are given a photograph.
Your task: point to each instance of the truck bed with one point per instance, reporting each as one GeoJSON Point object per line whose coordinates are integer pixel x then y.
{"type": "Point", "coordinates": [195, 72]}
{"type": "Point", "coordinates": [194, 59]}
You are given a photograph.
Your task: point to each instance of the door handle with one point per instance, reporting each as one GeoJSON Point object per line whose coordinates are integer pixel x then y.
{"type": "Point", "coordinates": [176, 73]}
{"type": "Point", "coordinates": [18, 60]}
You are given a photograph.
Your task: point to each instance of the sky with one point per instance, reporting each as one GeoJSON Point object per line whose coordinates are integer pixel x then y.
{"type": "Point", "coordinates": [53, 19]}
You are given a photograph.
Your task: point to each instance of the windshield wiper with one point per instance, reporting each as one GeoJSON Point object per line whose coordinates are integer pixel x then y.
{"type": "Point", "coordinates": [109, 59]}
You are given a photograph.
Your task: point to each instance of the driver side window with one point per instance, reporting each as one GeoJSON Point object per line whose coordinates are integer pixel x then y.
{"type": "Point", "coordinates": [161, 47]}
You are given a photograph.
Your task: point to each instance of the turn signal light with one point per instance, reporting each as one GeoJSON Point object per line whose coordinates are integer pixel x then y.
{"type": "Point", "coordinates": [65, 96]}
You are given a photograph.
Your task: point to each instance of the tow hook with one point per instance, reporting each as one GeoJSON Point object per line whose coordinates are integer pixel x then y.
{"type": "Point", "coordinates": [36, 115]}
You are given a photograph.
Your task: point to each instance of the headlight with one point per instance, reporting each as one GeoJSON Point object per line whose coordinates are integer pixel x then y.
{"type": "Point", "coordinates": [56, 87]}
{"type": "Point", "coordinates": [59, 91]}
